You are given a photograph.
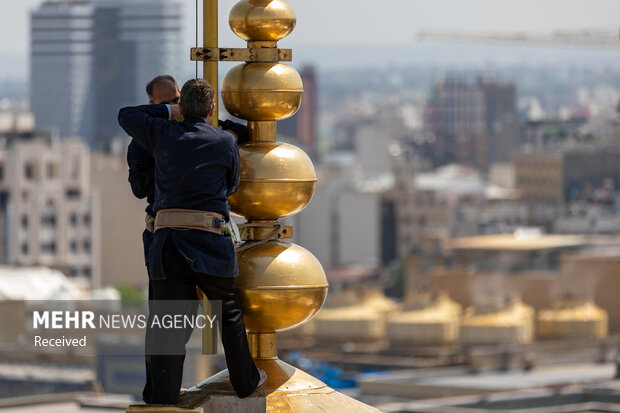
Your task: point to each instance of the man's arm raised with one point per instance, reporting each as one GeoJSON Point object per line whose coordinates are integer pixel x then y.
{"type": "Point", "coordinates": [144, 123]}
{"type": "Point", "coordinates": [239, 130]}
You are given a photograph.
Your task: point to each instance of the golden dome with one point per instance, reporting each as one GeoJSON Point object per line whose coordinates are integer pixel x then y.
{"type": "Point", "coordinates": [262, 91]}
{"type": "Point", "coordinates": [280, 286]}
{"type": "Point", "coordinates": [262, 20]}
{"type": "Point", "coordinates": [277, 180]}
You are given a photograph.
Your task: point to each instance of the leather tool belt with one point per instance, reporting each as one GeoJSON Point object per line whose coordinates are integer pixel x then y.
{"type": "Point", "coordinates": [191, 219]}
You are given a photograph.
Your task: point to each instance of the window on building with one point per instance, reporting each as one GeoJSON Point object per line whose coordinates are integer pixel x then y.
{"type": "Point", "coordinates": [86, 245]}
{"type": "Point", "coordinates": [30, 170]}
{"type": "Point", "coordinates": [24, 221]}
{"type": "Point", "coordinates": [48, 215]}
{"type": "Point", "coordinates": [73, 246]}
{"type": "Point", "coordinates": [73, 193]}
{"type": "Point", "coordinates": [406, 219]}
{"type": "Point", "coordinates": [86, 272]}
{"type": "Point", "coordinates": [422, 220]}
{"type": "Point", "coordinates": [73, 219]}
{"type": "Point", "coordinates": [1, 172]}
{"type": "Point", "coordinates": [48, 247]}
{"type": "Point", "coordinates": [52, 170]}
{"type": "Point", "coordinates": [87, 219]}
{"type": "Point", "coordinates": [48, 220]}
{"type": "Point", "coordinates": [25, 248]}
{"type": "Point", "coordinates": [75, 168]}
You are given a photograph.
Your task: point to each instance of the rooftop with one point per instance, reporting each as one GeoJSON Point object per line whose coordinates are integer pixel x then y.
{"type": "Point", "coordinates": [66, 403]}
{"type": "Point", "coordinates": [521, 240]}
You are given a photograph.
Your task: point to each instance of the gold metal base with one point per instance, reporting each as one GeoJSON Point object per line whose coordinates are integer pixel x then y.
{"type": "Point", "coordinates": [287, 389]}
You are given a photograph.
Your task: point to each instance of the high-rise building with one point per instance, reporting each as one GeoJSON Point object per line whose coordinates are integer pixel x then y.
{"type": "Point", "coordinates": [61, 68]}
{"type": "Point", "coordinates": [48, 214]}
{"type": "Point", "coordinates": [302, 125]}
{"type": "Point", "coordinates": [472, 123]}
{"type": "Point", "coordinates": [90, 57]}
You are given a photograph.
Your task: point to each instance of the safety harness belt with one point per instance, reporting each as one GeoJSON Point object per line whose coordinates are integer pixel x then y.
{"type": "Point", "coordinates": [191, 219]}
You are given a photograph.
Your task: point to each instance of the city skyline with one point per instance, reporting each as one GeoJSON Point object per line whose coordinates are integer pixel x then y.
{"type": "Point", "coordinates": [452, 209]}
{"type": "Point", "coordinates": [404, 19]}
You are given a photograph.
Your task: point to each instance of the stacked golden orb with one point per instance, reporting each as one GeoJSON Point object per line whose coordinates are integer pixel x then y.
{"type": "Point", "coordinates": [280, 285]}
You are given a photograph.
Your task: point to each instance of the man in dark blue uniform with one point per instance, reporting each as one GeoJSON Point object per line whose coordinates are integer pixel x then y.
{"type": "Point", "coordinates": [196, 169]}
{"type": "Point", "coordinates": [161, 89]}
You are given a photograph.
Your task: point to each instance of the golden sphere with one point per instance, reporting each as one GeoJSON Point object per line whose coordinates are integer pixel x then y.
{"type": "Point", "coordinates": [262, 91]}
{"type": "Point", "coordinates": [277, 180]}
{"type": "Point", "coordinates": [280, 285]}
{"type": "Point", "coordinates": [262, 20]}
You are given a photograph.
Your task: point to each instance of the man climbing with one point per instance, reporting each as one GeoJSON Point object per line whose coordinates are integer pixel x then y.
{"type": "Point", "coordinates": [196, 169]}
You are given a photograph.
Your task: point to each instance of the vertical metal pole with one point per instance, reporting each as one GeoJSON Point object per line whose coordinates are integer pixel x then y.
{"type": "Point", "coordinates": [210, 29]}
{"type": "Point", "coordinates": [209, 39]}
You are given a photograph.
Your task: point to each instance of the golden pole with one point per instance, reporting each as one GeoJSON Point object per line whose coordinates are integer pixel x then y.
{"type": "Point", "coordinates": [280, 284]}
{"type": "Point", "coordinates": [209, 39]}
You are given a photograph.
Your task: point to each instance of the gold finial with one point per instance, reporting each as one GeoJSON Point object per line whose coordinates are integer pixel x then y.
{"type": "Point", "coordinates": [262, 91]}
{"type": "Point", "coordinates": [262, 20]}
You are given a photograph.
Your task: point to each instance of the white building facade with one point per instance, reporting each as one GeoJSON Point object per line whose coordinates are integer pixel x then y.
{"type": "Point", "coordinates": [48, 212]}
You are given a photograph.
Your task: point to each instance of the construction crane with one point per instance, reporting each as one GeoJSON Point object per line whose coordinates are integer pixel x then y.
{"type": "Point", "coordinates": [589, 39]}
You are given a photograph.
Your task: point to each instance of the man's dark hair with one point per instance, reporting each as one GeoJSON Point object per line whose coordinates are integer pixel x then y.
{"type": "Point", "coordinates": [196, 99]}
{"type": "Point", "coordinates": [157, 79]}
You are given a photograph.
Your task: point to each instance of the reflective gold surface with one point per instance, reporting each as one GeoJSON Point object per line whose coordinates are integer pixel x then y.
{"type": "Point", "coordinates": [271, 199]}
{"type": "Point", "coordinates": [263, 346]}
{"type": "Point", "coordinates": [262, 91]}
{"type": "Point", "coordinates": [280, 286]}
{"type": "Point", "coordinates": [275, 161]}
{"type": "Point", "coordinates": [209, 39]}
{"type": "Point", "coordinates": [209, 335]}
{"type": "Point", "coordinates": [262, 130]}
{"type": "Point", "coordinates": [287, 390]}
{"type": "Point", "coordinates": [277, 180]}
{"type": "Point", "coordinates": [262, 19]}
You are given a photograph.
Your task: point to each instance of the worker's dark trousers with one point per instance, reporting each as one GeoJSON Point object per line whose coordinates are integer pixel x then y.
{"type": "Point", "coordinates": [166, 371]}
{"type": "Point", "coordinates": [147, 239]}
{"type": "Point", "coordinates": [146, 393]}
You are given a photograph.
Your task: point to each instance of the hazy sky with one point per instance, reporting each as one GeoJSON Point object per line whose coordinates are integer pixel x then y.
{"type": "Point", "coordinates": [347, 21]}
{"type": "Point", "coordinates": [385, 22]}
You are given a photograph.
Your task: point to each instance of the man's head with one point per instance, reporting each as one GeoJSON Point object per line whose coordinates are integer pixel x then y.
{"type": "Point", "coordinates": [163, 89]}
{"type": "Point", "coordinates": [196, 99]}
